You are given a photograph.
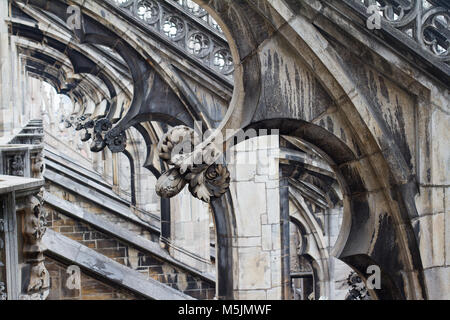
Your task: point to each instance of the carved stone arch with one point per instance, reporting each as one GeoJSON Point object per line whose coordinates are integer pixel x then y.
{"type": "Point", "coordinates": [244, 110]}
{"type": "Point", "coordinates": [98, 29]}
{"type": "Point", "coordinates": [392, 170]}
{"type": "Point", "coordinates": [402, 275]}
{"type": "Point", "coordinates": [151, 95]}
{"type": "Point", "coordinates": [145, 79]}
{"type": "Point", "coordinates": [317, 274]}
{"type": "Point", "coordinates": [150, 142]}
{"type": "Point", "coordinates": [303, 230]}
{"type": "Point", "coordinates": [99, 78]}
{"type": "Point", "coordinates": [356, 245]}
{"type": "Point", "coordinates": [312, 233]}
{"type": "Point", "coordinates": [142, 65]}
{"type": "Point", "coordinates": [223, 220]}
{"type": "Point", "coordinates": [54, 82]}
{"type": "Point", "coordinates": [55, 40]}
{"type": "Point", "coordinates": [132, 175]}
{"type": "Point", "coordinates": [40, 68]}
{"type": "Point", "coordinates": [82, 64]}
{"type": "Point", "coordinates": [40, 52]}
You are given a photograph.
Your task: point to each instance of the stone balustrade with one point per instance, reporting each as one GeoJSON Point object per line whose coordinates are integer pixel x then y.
{"type": "Point", "coordinates": [188, 26]}
{"type": "Point", "coordinates": [424, 25]}
{"type": "Point", "coordinates": [22, 271]}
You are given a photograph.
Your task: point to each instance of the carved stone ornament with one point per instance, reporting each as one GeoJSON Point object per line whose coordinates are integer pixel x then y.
{"type": "Point", "coordinates": [86, 136]}
{"type": "Point", "coordinates": [34, 228]}
{"type": "Point", "coordinates": [16, 166]}
{"type": "Point", "coordinates": [3, 295]}
{"type": "Point", "coordinates": [85, 124]}
{"type": "Point", "coordinates": [116, 140]}
{"type": "Point", "coordinates": [98, 143]}
{"type": "Point", "coordinates": [38, 166]}
{"type": "Point", "coordinates": [79, 124]}
{"type": "Point", "coordinates": [205, 178]}
{"type": "Point", "coordinates": [357, 290]}
{"type": "Point", "coordinates": [67, 123]}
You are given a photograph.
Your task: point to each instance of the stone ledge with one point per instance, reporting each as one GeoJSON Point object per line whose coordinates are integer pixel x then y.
{"type": "Point", "coordinates": [84, 257]}
{"type": "Point", "coordinates": [98, 198]}
{"type": "Point", "coordinates": [13, 183]}
{"type": "Point", "coordinates": [70, 164]}
{"type": "Point", "coordinates": [115, 230]}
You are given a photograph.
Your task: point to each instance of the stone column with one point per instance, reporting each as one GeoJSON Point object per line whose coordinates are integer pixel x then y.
{"type": "Point", "coordinates": [258, 261]}
{"type": "Point", "coordinates": [285, 235]}
{"type": "Point", "coordinates": [17, 116]}
{"type": "Point", "coordinates": [115, 172]}
{"type": "Point", "coordinates": [433, 206]}
{"type": "Point", "coordinates": [6, 114]}
{"type": "Point", "coordinates": [255, 241]}
{"type": "Point", "coordinates": [9, 262]}
{"type": "Point", "coordinates": [189, 226]}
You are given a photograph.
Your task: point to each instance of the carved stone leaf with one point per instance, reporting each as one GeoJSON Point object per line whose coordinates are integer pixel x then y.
{"type": "Point", "coordinates": [200, 191]}
{"type": "Point", "coordinates": [170, 183]}
{"type": "Point", "coordinates": [205, 178]}
{"type": "Point", "coordinates": [218, 179]}
{"type": "Point", "coordinates": [175, 144]}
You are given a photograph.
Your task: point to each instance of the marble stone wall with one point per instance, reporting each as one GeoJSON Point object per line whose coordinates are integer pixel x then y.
{"type": "Point", "coordinates": [256, 197]}
{"type": "Point", "coordinates": [190, 234]}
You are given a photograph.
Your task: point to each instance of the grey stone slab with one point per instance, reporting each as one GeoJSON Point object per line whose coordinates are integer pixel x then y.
{"type": "Point", "coordinates": [50, 153]}
{"type": "Point", "coordinates": [14, 183]}
{"type": "Point", "coordinates": [119, 232]}
{"type": "Point", "coordinates": [109, 269]}
{"type": "Point", "coordinates": [88, 178]}
{"type": "Point", "coordinates": [98, 198]}
{"type": "Point", "coordinates": [49, 164]}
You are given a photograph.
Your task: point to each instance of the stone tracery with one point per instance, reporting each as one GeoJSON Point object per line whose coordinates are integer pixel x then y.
{"type": "Point", "coordinates": [185, 30]}
{"type": "Point", "coordinates": [426, 21]}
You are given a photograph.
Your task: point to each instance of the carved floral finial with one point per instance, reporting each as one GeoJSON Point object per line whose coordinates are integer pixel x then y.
{"type": "Point", "coordinates": [206, 178]}
{"type": "Point", "coordinates": [357, 288]}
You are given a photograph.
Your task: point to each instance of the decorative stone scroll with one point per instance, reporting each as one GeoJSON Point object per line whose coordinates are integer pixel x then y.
{"type": "Point", "coordinates": [195, 167]}
{"type": "Point", "coordinates": [33, 230]}
{"type": "Point", "coordinates": [103, 136]}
